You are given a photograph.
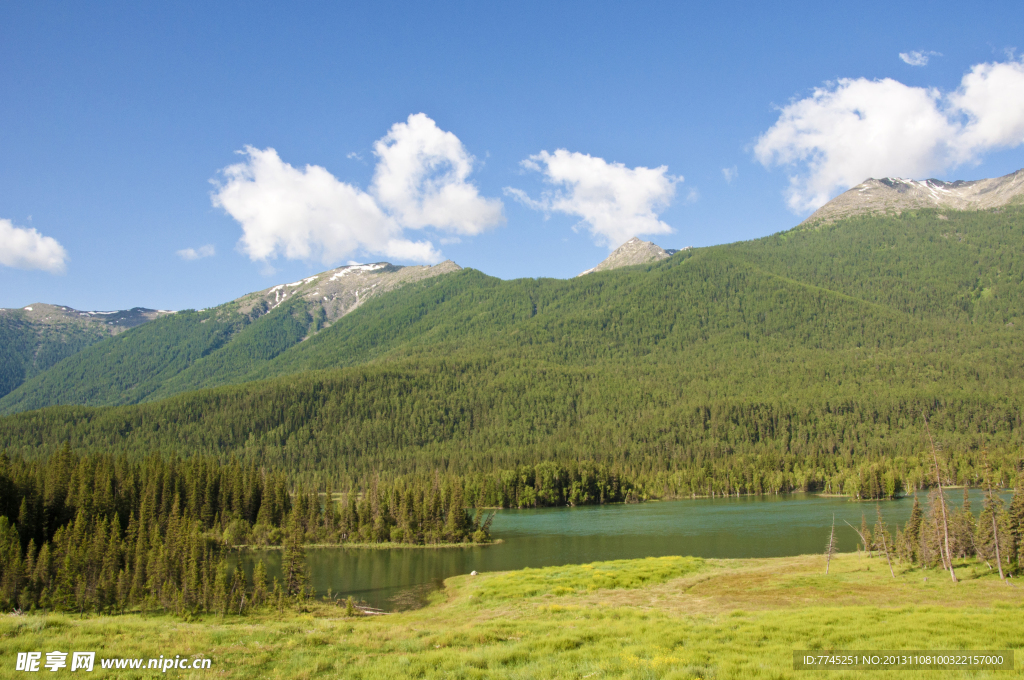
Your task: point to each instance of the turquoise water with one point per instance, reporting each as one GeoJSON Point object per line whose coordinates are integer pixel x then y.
{"type": "Point", "coordinates": [772, 526]}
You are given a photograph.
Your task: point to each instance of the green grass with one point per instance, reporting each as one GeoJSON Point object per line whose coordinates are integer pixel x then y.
{"type": "Point", "coordinates": [655, 618]}
{"type": "Point", "coordinates": [583, 578]}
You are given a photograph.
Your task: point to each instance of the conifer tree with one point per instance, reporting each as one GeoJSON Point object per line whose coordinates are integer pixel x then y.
{"type": "Point", "coordinates": [991, 537]}
{"type": "Point", "coordinates": [913, 527]}
{"type": "Point", "coordinates": [259, 585]}
{"type": "Point", "coordinates": [293, 562]}
{"type": "Point", "coordinates": [1015, 522]}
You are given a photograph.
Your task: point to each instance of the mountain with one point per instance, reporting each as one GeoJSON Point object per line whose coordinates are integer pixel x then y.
{"type": "Point", "coordinates": [342, 290]}
{"type": "Point", "coordinates": [801, 360]}
{"type": "Point", "coordinates": [895, 195]}
{"type": "Point", "coordinates": [191, 349]}
{"type": "Point", "coordinates": [36, 337]}
{"type": "Point", "coordinates": [634, 251]}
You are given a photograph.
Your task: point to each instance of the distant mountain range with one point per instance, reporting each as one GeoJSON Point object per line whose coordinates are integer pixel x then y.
{"type": "Point", "coordinates": [38, 336]}
{"type": "Point", "coordinates": [180, 350]}
{"type": "Point", "coordinates": [378, 312]}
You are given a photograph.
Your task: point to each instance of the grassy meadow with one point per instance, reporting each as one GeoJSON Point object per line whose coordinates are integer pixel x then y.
{"type": "Point", "coordinates": [670, 617]}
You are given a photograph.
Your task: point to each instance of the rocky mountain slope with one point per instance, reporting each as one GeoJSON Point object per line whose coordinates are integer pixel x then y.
{"type": "Point", "coordinates": [342, 290]}
{"type": "Point", "coordinates": [895, 195]}
{"type": "Point", "coordinates": [633, 251]}
{"type": "Point", "coordinates": [35, 337]}
{"type": "Point", "coordinates": [189, 349]}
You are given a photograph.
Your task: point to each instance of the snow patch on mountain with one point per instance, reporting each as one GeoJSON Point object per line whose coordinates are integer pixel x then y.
{"type": "Point", "coordinates": [893, 195]}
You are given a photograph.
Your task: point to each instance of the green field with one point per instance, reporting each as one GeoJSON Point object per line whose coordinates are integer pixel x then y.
{"type": "Point", "coordinates": [670, 617]}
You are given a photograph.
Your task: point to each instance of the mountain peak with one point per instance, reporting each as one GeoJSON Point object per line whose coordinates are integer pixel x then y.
{"type": "Point", "coordinates": [896, 194]}
{"type": "Point", "coordinates": [343, 289]}
{"type": "Point", "coordinates": [633, 251]}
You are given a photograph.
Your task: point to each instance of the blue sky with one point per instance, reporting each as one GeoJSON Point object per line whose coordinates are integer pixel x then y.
{"type": "Point", "coordinates": [119, 121]}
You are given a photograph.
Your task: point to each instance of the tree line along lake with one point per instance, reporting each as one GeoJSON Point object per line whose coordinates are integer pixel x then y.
{"type": "Point", "coordinates": [724, 527]}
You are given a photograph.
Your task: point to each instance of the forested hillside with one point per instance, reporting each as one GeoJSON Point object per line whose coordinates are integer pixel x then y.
{"type": "Point", "coordinates": [212, 346]}
{"type": "Point", "coordinates": [881, 282]}
{"type": "Point", "coordinates": [26, 350]}
{"type": "Point", "coordinates": [37, 337]}
{"type": "Point", "coordinates": [804, 360]}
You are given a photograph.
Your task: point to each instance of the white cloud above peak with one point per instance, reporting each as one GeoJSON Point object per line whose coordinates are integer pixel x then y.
{"type": "Point", "coordinates": [420, 181]}
{"type": "Point", "coordinates": [853, 129]}
{"type": "Point", "coordinates": [615, 202]}
{"type": "Point", "coordinates": [26, 248]}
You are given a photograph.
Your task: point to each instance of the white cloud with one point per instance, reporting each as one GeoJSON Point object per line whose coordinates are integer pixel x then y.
{"type": "Point", "coordinates": [197, 253]}
{"type": "Point", "coordinates": [26, 248]}
{"type": "Point", "coordinates": [692, 196]}
{"type": "Point", "coordinates": [991, 97]}
{"type": "Point", "coordinates": [917, 57]}
{"type": "Point", "coordinates": [307, 214]}
{"type": "Point", "coordinates": [421, 180]}
{"type": "Point", "coordinates": [614, 201]}
{"type": "Point", "coordinates": [730, 174]}
{"type": "Point", "coordinates": [848, 131]}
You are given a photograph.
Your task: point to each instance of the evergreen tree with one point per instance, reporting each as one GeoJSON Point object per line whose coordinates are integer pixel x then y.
{"type": "Point", "coordinates": [913, 528]}
{"type": "Point", "coordinates": [1015, 522]}
{"type": "Point", "coordinates": [259, 585]}
{"type": "Point", "coordinates": [293, 562]}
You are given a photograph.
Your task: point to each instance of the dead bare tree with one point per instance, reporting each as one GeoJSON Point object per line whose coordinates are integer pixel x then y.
{"type": "Point", "coordinates": [995, 539]}
{"type": "Point", "coordinates": [942, 499]}
{"type": "Point", "coordinates": [863, 538]}
{"type": "Point", "coordinates": [994, 506]}
{"type": "Point", "coordinates": [830, 549]}
{"type": "Point", "coordinates": [880, 533]}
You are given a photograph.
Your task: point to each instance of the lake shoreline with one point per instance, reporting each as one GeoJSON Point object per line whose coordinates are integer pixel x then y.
{"type": "Point", "coordinates": [388, 545]}
{"type": "Point", "coordinates": [390, 578]}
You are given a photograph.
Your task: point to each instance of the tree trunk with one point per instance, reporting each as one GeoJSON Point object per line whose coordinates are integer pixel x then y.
{"type": "Point", "coordinates": [942, 499]}
{"type": "Point", "coordinates": [995, 539]}
{"type": "Point", "coordinates": [831, 547]}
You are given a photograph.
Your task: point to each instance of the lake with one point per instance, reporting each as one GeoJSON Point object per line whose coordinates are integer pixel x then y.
{"type": "Point", "coordinates": [747, 526]}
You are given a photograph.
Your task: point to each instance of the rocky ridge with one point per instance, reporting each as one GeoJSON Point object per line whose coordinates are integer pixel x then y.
{"type": "Point", "coordinates": [109, 322]}
{"type": "Point", "coordinates": [342, 290]}
{"type": "Point", "coordinates": [895, 194]}
{"type": "Point", "coordinates": [633, 251]}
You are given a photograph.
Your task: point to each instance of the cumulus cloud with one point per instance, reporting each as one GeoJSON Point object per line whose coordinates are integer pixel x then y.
{"type": "Point", "coordinates": [918, 58]}
{"type": "Point", "coordinates": [197, 253]}
{"type": "Point", "coordinates": [421, 178]}
{"type": "Point", "coordinates": [420, 181]}
{"type": "Point", "coordinates": [614, 202]}
{"type": "Point", "coordinates": [853, 129]}
{"type": "Point", "coordinates": [26, 248]}
{"type": "Point", "coordinates": [730, 174]}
